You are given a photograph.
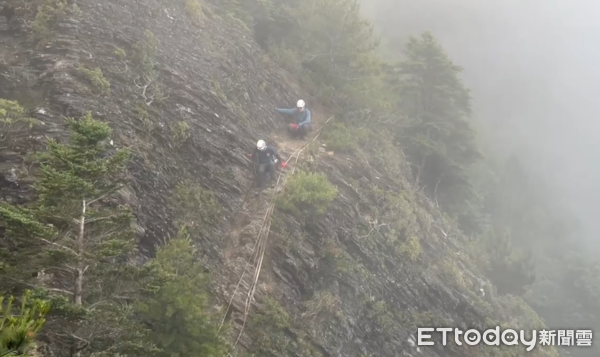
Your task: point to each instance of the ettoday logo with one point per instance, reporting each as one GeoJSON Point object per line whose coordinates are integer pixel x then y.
{"type": "Point", "coordinates": [472, 337]}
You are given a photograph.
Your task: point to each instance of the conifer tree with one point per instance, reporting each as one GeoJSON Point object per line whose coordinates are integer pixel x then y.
{"type": "Point", "coordinates": [327, 44]}
{"type": "Point", "coordinates": [337, 47]}
{"type": "Point", "coordinates": [438, 137]}
{"type": "Point", "coordinates": [510, 268]}
{"type": "Point", "coordinates": [18, 328]}
{"type": "Point", "coordinates": [77, 238]}
{"type": "Point", "coordinates": [176, 307]}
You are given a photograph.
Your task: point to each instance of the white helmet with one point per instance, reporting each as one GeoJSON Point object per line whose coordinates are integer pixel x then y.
{"type": "Point", "coordinates": [261, 145]}
{"type": "Point", "coordinates": [300, 104]}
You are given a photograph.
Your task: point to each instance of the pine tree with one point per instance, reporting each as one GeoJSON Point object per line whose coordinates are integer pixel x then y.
{"type": "Point", "coordinates": [438, 137]}
{"type": "Point", "coordinates": [511, 269]}
{"type": "Point", "coordinates": [77, 238]}
{"type": "Point", "coordinates": [337, 46]}
{"type": "Point", "coordinates": [176, 307]}
{"type": "Point", "coordinates": [18, 328]}
{"type": "Point", "coordinates": [327, 44]}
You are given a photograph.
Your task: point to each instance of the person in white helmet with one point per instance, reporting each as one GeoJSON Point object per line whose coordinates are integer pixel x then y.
{"type": "Point", "coordinates": [265, 156]}
{"type": "Point", "coordinates": [303, 119]}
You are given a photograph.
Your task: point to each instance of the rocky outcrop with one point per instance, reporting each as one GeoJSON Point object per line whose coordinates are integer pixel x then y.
{"type": "Point", "coordinates": [357, 281]}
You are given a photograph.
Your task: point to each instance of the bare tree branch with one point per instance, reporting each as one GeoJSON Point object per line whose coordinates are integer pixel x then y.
{"type": "Point", "coordinates": [148, 81]}
{"type": "Point", "coordinates": [375, 226]}
{"type": "Point", "coordinates": [110, 192]}
{"type": "Point", "coordinates": [56, 290]}
{"type": "Point", "coordinates": [60, 246]}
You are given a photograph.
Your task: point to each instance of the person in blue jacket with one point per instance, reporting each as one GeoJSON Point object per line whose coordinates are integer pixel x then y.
{"type": "Point", "coordinates": [303, 119]}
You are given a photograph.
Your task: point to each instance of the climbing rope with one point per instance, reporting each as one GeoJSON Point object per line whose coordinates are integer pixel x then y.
{"type": "Point", "coordinates": [262, 237]}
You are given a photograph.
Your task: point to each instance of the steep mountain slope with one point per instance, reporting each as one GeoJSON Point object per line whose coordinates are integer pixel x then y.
{"type": "Point", "coordinates": [214, 78]}
{"type": "Point", "coordinates": [354, 281]}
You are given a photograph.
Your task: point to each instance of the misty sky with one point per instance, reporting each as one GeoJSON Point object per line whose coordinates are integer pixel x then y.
{"type": "Point", "coordinates": [534, 69]}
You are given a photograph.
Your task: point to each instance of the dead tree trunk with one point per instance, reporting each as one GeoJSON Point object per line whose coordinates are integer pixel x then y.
{"type": "Point", "coordinates": [78, 291]}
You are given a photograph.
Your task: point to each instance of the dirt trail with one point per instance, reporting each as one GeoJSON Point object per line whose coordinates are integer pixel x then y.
{"type": "Point", "coordinates": [246, 240]}
{"type": "Point", "coordinates": [254, 208]}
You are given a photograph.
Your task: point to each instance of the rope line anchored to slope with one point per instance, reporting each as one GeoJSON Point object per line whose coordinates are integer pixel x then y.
{"type": "Point", "coordinates": [260, 245]}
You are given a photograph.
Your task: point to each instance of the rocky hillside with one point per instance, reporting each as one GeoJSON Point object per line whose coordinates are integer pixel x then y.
{"type": "Point", "coordinates": [193, 115]}
{"type": "Point", "coordinates": [352, 271]}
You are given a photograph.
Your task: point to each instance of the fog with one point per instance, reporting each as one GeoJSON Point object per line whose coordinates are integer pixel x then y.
{"type": "Point", "coordinates": [534, 69]}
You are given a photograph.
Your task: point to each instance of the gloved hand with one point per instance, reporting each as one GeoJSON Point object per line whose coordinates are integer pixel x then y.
{"type": "Point", "coordinates": [283, 164]}
{"type": "Point", "coordinates": [294, 126]}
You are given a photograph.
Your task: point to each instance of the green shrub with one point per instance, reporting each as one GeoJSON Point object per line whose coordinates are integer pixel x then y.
{"type": "Point", "coordinates": [340, 137]}
{"type": "Point", "coordinates": [120, 53]}
{"type": "Point", "coordinates": [10, 110]}
{"type": "Point", "coordinates": [194, 205]}
{"type": "Point", "coordinates": [322, 305]}
{"type": "Point", "coordinates": [49, 12]}
{"type": "Point", "coordinates": [307, 192]}
{"type": "Point", "coordinates": [13, 120]}
{"type": "Point", "coordinates": [341, 262]}
{"type": "Point", "coordinates": [96, 77]}
{"type": "Point", "coordinates": [411, 249]}
{"type": "Point", "coordinates": [452, 272]}
{"type": "Point", "coordinates": [194, 10]}
{"type": "Point", "coordinates": [180, 132]}
{"type": "Point", "coordinates": [266, 326]}
{"type": "Point", "coordinates": [271, 315]}
{"type": "Point", "coordinates": [381, 314]}
{"type": "Point", "coordinates": [143, 115]}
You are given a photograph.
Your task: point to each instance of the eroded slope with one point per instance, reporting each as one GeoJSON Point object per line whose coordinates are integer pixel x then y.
{"type": "Point", "coordinates": [190, 99]}
{"type": "Point", "coordinates": [191, 96]}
